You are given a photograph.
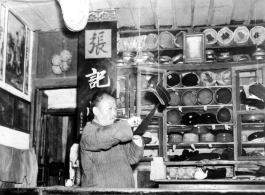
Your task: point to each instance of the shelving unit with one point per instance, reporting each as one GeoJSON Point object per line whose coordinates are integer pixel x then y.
{"type": "Point", "coordinates": [235, 125]}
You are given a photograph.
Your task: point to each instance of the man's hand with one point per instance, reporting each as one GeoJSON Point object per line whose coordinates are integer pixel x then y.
{"type": "Point", "coordinates": [134, 121]}
{"type": "Point", "coordinates": [138, 140]}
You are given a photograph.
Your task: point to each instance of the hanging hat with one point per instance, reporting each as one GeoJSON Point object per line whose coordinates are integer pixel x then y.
{"type": "Point", "coordinates": [161, 93]}
{"type": "Point", "coordinates": [75, 13]}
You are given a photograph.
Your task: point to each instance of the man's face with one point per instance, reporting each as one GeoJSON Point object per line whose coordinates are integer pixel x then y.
{"type": "Point", "coordinates": [105, 112]}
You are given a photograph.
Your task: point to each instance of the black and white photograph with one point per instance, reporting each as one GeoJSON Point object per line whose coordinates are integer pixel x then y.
{"type": "Point", "coordinates": [15, 52]}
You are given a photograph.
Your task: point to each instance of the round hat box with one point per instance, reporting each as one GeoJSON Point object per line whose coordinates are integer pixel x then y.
{"type": "Point", "coordinates": [241, 35]}
{"type": "Point", "coordinates": [207, 137]}
{"type": "Point", "coordinates": [205, 96]}
{"type": "Point", "coordinates": [175, 138]}
{"type": "Point", "coordinates": [223, 96]}
{"type": "Point", "coordinates": [190, 79]}
{"type": "Point", "coordinates": [189, 98]}
{"type": "Point", "coordinates": [166, 40]}
{"type": "Point", "coordinates": [173, 117]}
{"type": "Point", "coordinates": [151, 41]}
{"type": "Point", "coordinates": [173, 79]}
{"type": "Point", "coordinates": [175, 98]}
{"type": "Point", "coordinates": [224, 115]}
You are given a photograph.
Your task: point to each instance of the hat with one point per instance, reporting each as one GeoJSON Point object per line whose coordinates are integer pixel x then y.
{"type": "Point", "coordinates": [175, 98]}
{"type": "Point", "coordinates": [173, 79]}
{"type": "Point", "coordinates": [223, 95]}
{"type": "Point", "coordinates": [256, 135]}
{"type": "Point", "coordinates": [75, 13]}
{"type": "Point", "coordinates": [224, 115]}
{"type": "Point", "coordinates": [191, 118]}
{"type": "Point", "coordinates": [173, 116]}
{"type": "Point", "coordinates": [205, 96]}
{"type": "Point", "coordinates": [175, 138]}
{"type": "Point", "coordinates": [208, 118]}
{"type": "Point", "coordinates": [161, 93]}
{"type": "Point", "coordinates": [190, 79]}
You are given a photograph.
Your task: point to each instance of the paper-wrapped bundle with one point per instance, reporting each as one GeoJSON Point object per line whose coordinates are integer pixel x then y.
{"type": "Point", "coordinates": [225, 37]}
{"type": "Point", "coordinates": [208, 78]}
{"type": "Point", "coordinates": [210, 36]}
{"type": "Point", "coordinates": [241, 35]}
{"type": "Point", "coordinates": [257, 35]}
{"type": "Point", "coordinates": [179, 39]}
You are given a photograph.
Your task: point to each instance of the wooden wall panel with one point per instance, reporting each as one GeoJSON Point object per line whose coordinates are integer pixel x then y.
{"type": "Point", "coordinates": [50, 43]}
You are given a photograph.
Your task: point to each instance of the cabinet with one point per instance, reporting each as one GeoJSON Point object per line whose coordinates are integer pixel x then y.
{"type": "Point", "coordinates": [241, 73]}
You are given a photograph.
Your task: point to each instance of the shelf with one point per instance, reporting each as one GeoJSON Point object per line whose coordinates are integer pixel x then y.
{"type": "Point", "coordinates": [201, 106]}
{"type": "Point", "coordinates": [202, 145]}
{"type": "Point", "coordinates": [209, 125]}
{"type": "Point", "coordinates": [199, 87]}
{"type": "Point", "coordinates": [252, 145]}
{"type": "Point", "coordinates": [151, 146]}
{"type": "Point", "coordinates": [203, 162]}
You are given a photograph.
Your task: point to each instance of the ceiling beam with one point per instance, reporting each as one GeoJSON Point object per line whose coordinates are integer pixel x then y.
{"type": "Point", "coordinates": [230, 12]}
{"type": "Point", "coordinates": [154, 5]}
{"type": "Point", "coordinates": [210, 13]}
{"type": "Point", "coordinates": [250, 14]}
{"type": "Point", "coordinates": [174, 14]}
{"type": "Point", "coordinates": [40, 15]}
{"type": "Point", "coordinates": [192, 12]}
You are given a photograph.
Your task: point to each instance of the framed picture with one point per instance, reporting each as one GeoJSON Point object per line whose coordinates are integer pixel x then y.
{"type": "Point", "coordinates": [15, 52]}
{"type": "Point", "coordinates": [2, 36]}
{"type": "Point", "coordinates": [22, 115]}
{"type": "Point", "coordinates": [7, 108]}
{"type": "Point", "coordinates": [194, 48]}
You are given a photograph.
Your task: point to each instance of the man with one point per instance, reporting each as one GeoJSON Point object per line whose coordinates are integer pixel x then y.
{"type": "Point", "coordinates": [108, 148]}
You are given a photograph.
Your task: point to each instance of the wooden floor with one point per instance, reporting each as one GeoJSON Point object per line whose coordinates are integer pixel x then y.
{"type": "Point", "coordinates": [57, 190]}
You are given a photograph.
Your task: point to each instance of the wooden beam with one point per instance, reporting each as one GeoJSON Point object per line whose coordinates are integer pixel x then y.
{"type": "Point", "coordinates": [230, 12]}
{"type": "Point", "coordinates": [210, 13]}
{"type": "Point", "coordinates": [251, 11]}
{"type": "Point", "coordinates": [192, 12]}
{"type": "Point", "coordinates": [154, 5]}
{"type": "Point", "coordinates": [40, 15]}
{"type": "Point", "coordinates": [134, 20]}
{"type": "Point", "coordinates": [174, 14]}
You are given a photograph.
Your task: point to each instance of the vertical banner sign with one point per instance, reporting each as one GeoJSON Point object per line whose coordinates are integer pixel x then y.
{"type": "Point", "coordinates": [97, 55]}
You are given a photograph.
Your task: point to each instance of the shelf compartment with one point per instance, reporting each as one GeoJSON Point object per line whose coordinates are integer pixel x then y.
{"type": "Point", "coordinates": [203, 145]}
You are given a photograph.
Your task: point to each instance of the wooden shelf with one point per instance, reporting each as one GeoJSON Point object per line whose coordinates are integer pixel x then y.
{"type": "Point", "coordinates": [199, 87]}
{"type": "Point", "coordinates": [202, 145]}
{"type": "Point", "coordinates": [207, 162]}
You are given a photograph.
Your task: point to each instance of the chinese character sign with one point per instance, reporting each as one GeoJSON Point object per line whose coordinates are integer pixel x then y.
{"type": "Point", "coordinates": [95, 77]}
{"type": "Point", "coordinates": [98, 43]}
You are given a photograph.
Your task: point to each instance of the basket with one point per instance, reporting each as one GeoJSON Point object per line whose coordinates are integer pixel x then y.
{"type": "Point", "coordinates": [179, 39]}
{"type": "Point", "coordinates": [210, 36]}
{"type": "Point", "coordinates": [151, 41]}
{"type": "Point", "coordinates": [257, 35]}
{"type": "Point", "coordinates": [225, 37]}
{"type": "Point", "coordinates": [166, 40]}
{"type": "Point", "coordinates": [241, 35]}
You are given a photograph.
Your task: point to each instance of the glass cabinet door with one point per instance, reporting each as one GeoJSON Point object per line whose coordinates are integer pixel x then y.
{"type": "Point", "coordinates": [248, 102]}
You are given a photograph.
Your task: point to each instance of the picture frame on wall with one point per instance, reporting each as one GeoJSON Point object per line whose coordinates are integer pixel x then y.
{"type": "Point", "coordinates": [7, 108]}
{"type": "Point", "coordinates": [2, 39]}
{"type": "Point", "coordinates": [22, 115]}
{"type": "Point", "coordinates": [194, 48]}
{"type": "Point", "coordinates": [15, 52]}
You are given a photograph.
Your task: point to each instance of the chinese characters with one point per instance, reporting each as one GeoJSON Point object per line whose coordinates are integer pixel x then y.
{"type": "Point", "coordinates": [95, 77]}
